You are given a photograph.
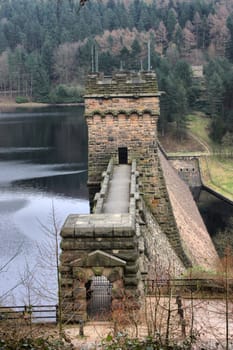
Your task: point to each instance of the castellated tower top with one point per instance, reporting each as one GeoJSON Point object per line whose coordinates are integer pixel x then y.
{"type": "Point", "coordinates": [122, 83]}
{"type": "Point", "coordinates": [122, 92]}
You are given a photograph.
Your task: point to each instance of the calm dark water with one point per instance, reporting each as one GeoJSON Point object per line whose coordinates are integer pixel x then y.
{"type": "Point", "coordinates": [43, 165]}
{"type": "Point", "coordinates": [217, 214]}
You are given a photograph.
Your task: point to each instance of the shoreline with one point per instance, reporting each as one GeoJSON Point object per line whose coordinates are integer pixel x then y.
{"type": "Point", "coordinates": [9, 105]}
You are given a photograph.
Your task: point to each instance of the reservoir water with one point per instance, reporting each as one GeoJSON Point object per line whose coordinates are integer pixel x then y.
{"type": "Point", "coordinates": [217, 214]}
{"type": "Point", "coordinates": [43, 175]}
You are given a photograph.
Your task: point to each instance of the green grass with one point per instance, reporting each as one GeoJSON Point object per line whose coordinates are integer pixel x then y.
{"type": "Point", "coordinates": [217, 174]}
{"type": "Point", "coordinates": [216, 171]}
{"type": "Point", "coordinates": [199, 125]}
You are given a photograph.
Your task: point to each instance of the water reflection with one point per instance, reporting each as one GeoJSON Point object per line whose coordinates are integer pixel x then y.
{"type": "Point", "coordinates": [9, 206]}
{"type": "Point", "coordinates": [43, 165]}
{"type": "Point", "coordinates": [216, 213]}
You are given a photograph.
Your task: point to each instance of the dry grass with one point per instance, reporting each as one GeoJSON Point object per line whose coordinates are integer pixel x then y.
{"type": "Point", "coordinates": [208, 317]}
{"type": "Point", "coordinates": [20, 329]}
{"type": "Point", "coordinates": [7, 104]}
{"type": "Point", "coordinates": [209, 323]}
{"type": "Point", "coordinates": [173, 145]}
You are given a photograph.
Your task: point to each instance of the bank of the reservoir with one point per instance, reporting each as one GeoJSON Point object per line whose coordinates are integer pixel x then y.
{"type": "Point", "coordinates": [11, 105]}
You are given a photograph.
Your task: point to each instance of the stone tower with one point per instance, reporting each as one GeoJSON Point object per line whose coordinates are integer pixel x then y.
{"type": "Point", "coordinates": [122, 113]}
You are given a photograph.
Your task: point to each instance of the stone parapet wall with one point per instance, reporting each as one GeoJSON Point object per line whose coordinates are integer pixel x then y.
{"type": "Point", "coordinates": [101, 196]}
{"type": "Point", "coordinates": [122, 83]}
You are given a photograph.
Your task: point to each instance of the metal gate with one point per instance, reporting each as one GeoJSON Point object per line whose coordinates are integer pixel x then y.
{"type": "Point", "coordinates": [99, 291]}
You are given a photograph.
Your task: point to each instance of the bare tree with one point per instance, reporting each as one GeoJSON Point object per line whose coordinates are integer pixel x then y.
{"type": "Point", "coordinates": [48, 263]}
{"type": "Point", "coordinates": [4, 72]}
{"type": "Point", "coordinates": [4, 268]}
{"type": "Point", "coordinates": [65, 65]}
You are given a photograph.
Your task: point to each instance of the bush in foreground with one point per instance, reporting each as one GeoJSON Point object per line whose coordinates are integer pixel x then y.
{"type": "Point", "coordinates": [33, 343]}
{"type": "Point", "coordinates": [123, 342]}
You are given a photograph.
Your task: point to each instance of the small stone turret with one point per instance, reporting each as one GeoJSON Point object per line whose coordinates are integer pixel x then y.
{"type": "Point", "coordinates": [122, 83]}
{"type": "Point", "coordinates": [121, 113]}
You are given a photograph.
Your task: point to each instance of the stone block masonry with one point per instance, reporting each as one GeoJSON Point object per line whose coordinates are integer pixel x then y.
{"type": "Point", "coordinates": [107, 135]}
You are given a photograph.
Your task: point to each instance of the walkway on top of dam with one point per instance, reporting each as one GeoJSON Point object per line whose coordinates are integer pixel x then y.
{"type": "Point", "coordinates": [117, 200]}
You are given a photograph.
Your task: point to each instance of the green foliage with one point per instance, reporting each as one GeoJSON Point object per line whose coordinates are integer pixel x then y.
{"type": "Point", "coordinates": [176, 82]}
{"type": "Point", "coordinates": [41, 26]}
{"type": "Point", "coordinates": [229, 46]}
{"type": "Point", "coordinates": [31, 32]}
{"type": "Point", "coordinates": [66, 94]}
{"type": "Point", "coordinates": [219, 82]}
{"type": "Point", "coordinates": [197, 272]}
{"type": "Point", "coordinates": [123, 342]}
{"type": "Point", "coordinates": [171, 22]}
{"type": "Point", "coordinates": [21, 99]}
{"type": "Point", "coordinates": [33, 343]}
{"type": "Point", "coordinates": [217, 129]}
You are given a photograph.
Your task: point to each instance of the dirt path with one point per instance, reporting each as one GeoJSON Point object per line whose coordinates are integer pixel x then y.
{"type": "Point", "coordinates": [204, 144]}
{"type": "Point", "coordinates": [94, 333]}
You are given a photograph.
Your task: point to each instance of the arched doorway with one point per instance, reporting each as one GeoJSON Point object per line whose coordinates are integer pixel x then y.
{"type": "Point", "coordinates": [99, 298]}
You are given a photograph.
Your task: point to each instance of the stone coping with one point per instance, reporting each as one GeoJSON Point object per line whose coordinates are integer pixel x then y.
{"type": "Point", "coordinates": [100, 197]}
{"type": "Point", "coordinates": [123, 95]}
{"type": "Point", "coordinates": [98, 224]}
{"type": "Point", "coordinates": [121, 83]}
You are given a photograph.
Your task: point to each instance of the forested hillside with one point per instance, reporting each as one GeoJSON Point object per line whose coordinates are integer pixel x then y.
{"type": "Point", "coordinates": [45, 49]}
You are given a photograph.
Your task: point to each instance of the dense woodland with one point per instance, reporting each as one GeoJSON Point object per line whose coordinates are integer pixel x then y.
{"type": "Point", "coordinates": [45, 51]}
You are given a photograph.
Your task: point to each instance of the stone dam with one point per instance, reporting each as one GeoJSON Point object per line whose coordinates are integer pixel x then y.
{"type": "Point", "coordinates": [144, 220]}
